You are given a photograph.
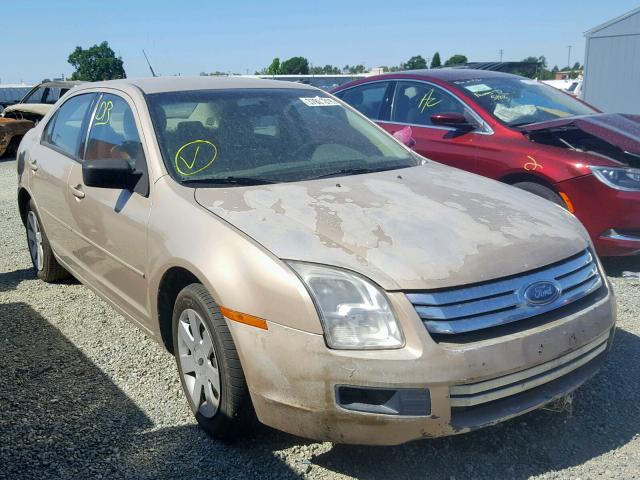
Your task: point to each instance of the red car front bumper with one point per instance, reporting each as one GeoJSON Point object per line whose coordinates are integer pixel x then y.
{"type": "Point", "coordinates": [612, 217]}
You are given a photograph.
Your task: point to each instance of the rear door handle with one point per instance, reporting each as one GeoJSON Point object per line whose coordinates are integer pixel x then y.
{"type": "Point", "coordinates": [77, 191]}
{"type": "Point", "coordinates": [33, 164]}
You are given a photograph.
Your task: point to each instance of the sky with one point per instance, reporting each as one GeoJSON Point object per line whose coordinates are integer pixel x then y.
{"type": "Point", "coordinates": [192, 36]}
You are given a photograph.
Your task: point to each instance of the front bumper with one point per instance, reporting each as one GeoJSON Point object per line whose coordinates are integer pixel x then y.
{"type": "Point", "coordinates": [293, 377]}
{"type": "Point", "coordinates": [612, 217]}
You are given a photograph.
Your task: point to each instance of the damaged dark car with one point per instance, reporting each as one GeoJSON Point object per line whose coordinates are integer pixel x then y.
{"type": "Point", "coordinates": [521, 132]}
{"type": "Point", "coordinates": [18, 119]}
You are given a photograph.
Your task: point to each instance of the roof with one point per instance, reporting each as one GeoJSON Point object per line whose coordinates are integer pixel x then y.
{"type": "Point", "coordinates": [449, 74]}
{"type": "Point", "coordinates": [61, 83]}
{"type": "Point", "coordinates": [612, 22]}
{"type": "Point", "coordinates": [176, 84]}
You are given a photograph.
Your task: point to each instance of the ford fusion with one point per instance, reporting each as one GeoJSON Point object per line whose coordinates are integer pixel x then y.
{"type": "Point", "coordinates": [306, 268]}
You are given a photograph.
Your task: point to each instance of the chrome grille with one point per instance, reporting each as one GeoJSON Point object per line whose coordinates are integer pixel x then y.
{"type": "Point", "coordinates": [463, 310]}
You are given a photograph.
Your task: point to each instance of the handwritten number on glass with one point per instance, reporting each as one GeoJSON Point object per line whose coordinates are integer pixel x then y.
{"type": "Point", "coordinates": [103, 114]}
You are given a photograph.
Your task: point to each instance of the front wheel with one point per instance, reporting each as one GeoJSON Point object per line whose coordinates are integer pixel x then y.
{"type": "Point", "coordinates": [210, 371]}
{"type": "Point", "coordinates": [541, 191]}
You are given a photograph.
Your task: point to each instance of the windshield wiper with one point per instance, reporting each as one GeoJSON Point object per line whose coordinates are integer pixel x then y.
{"type": "Point", "coordinates": [229, 181]}
{"type": "Point", "coordinates": [355, 171]}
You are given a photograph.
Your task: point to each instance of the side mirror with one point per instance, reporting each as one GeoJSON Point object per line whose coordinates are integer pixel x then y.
{"type": "Point", "coordinates": [109, 173]}
{"type": "Point", "coordinates": [453, 120]}
{"type": "Point", "coordinates": [404, 135]}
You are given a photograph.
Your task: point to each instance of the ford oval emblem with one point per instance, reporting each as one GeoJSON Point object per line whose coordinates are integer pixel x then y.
{"type": "Point", "coordinates": [541, 293]}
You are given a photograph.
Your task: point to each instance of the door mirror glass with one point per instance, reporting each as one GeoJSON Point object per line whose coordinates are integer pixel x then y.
{"type": "Point", "coordinates": [110, 173]}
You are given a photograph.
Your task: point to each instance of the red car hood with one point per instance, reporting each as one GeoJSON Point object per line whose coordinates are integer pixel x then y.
{"type": "Point", "coordinates": [620, 130]}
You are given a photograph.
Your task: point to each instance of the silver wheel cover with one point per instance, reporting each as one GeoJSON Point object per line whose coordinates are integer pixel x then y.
{"type": "Point", "coordinates": [199, 363]}
{"type": "Point", "coordinates": [34, 238]}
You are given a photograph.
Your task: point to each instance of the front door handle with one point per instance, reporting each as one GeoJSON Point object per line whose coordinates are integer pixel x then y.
{"type": "Point", "coordinates": [77, 191]}
{"type": "Point", "coordinates": [33, 164]}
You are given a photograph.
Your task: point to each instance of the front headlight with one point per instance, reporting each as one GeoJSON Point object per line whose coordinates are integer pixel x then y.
{"type": "Point", "coordinates": [618, 178]}
{"type": "Point", "coordinates": [355, 313]}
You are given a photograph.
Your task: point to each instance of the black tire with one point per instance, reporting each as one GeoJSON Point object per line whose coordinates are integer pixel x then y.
{"type": "Point", "coordinates": [51, 270]}
{"type": "Point", "coordinates": [541, 191]}
{"type": "Point", "coordinates": [235, 416]}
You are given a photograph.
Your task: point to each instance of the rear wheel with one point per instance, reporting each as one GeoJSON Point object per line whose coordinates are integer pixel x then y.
{"type": "Point", "coordinates": [541, 191]}
{"type": "Point", "coordinates": [44, 262]}
{"type": "Point", "coordinates": [210, 371]}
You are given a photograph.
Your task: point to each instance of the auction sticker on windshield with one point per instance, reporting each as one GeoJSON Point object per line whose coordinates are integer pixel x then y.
{"type": "Point", "coordinates": [319, 101]}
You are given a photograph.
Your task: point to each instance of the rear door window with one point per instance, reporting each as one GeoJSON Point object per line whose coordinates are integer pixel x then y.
{"type": "Point", "coordinates": [64, 130]}
{"type": "Point", "coordinates": [369, 99]}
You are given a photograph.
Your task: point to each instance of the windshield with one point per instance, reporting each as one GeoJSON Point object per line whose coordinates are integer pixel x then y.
{"type": "Point", "coordinates": [520, 101]}
{"type": "Point", "coordinates": [253, 136]}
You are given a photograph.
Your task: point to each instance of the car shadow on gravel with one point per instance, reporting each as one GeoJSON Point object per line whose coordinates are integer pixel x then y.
{"type": "Point", "coordinates": [62, 417]}
{"type": "Point", "coordinates": [614, 266]}
{"type": "Point", "coordinates": [606, 415]}
{"type": "Point", "coordinates": [11, 280]}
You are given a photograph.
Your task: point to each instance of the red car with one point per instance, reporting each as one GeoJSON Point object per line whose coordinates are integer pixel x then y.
{"type": "Point", "coordinates": [521, 132]}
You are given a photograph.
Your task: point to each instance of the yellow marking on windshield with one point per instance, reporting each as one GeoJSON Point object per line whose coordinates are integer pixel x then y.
{"type": "Point", "coordinates": [532, 165]}
{"type": "Point", "coordinates": [189, 160]}
{"type": "Point", "coordinates": [103, 114]}
{"type": "Point", "coordinates": [428, 101]}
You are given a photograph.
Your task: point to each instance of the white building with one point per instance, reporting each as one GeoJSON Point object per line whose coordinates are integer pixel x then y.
{"type": "Point", "coordinates": [612, 65]}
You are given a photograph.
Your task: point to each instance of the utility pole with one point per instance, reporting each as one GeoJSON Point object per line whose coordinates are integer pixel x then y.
{"type": "Point", "coordinates": [501, 52]}
{"type": "Point", "coordinates": [569, 57]}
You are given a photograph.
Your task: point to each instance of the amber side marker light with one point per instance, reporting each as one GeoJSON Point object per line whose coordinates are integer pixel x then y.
{"type": "Point", "coordinates": [568, 202]}
{"type": "Point", "coordinates": [244, 318]}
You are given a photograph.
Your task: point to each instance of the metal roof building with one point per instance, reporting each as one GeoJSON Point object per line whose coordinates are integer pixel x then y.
{"type": "Point", "coordinates": [612, 64]}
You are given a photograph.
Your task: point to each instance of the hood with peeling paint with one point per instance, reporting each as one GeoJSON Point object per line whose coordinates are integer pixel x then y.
{"type": "Point", "coordinates": [417, 228]}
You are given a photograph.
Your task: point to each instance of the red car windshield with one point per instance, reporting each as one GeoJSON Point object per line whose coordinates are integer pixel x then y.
{"type": "Point", "coordinates": [519, 101]}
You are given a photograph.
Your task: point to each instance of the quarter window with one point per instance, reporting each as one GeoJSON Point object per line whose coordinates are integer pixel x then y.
{"type": "Point", "coordinates": [367, 99]}
{"type": "Point", "coordinates": [415, 102]}
{"type": "Point", "coordinates": [113, 133]}
{"type": "Point", "coordinates": [64, 131]}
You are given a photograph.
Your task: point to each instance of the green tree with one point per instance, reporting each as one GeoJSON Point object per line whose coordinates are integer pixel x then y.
{"type": "Point", "coordinates": [456, 59]}
{"type": "Point", "coordinates": [295, 66]}
{"type": "Point", "coordinates": [435, 61]}
{"type": "Point", "coordinates": [576, 66]}
{"type": "Point", "coordinates": [274, 68]}
{"type": "Point", "coordinates": [326, 70]}
{"type": "Point", "coordinates": [96, 63]}
{"type": "Point", "coordinates": [416, 63]}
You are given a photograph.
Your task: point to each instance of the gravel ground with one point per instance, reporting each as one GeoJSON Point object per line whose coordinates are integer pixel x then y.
{"type": "Point", "coordinates": [84, 394]}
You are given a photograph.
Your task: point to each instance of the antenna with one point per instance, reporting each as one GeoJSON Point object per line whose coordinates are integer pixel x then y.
{"type": "Point", "coordinates": [149, 63]}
